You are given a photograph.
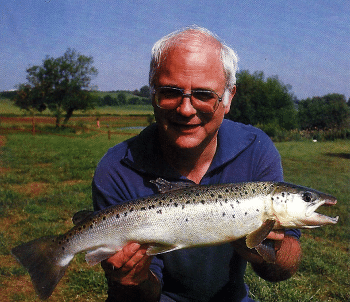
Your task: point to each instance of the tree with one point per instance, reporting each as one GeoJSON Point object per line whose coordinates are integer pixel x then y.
{"type": "Point", "coordinates": [59, 84]}
{"type": "Point", "coordinates": [327, 112]}
{"type": "Point", "coordinates": [260, 102]}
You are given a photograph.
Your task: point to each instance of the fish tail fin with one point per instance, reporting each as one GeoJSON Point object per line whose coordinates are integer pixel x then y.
{"type": "Point", "coordinates": [45, 262]}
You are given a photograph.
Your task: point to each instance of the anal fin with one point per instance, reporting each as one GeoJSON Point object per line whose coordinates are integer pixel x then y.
{"type": "Point", "coordinates": [157, 248]}
{"type": "Point", "coordinates": [256, 237]}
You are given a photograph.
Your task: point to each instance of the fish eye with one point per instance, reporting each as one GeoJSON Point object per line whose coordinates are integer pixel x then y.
{"type": "Point", "coordinates": [307, 196]}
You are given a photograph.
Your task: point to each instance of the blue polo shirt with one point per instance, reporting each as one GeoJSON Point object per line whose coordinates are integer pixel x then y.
{"type": "Point", "coordinates": [216, 273]}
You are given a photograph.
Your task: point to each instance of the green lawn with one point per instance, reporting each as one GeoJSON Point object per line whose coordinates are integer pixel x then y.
{"type": "Point", "coordinates": [45, 179]}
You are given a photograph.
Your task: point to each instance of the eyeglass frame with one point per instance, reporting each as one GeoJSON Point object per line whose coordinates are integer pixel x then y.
{"type": "Point", "coordinates": [189, 95]}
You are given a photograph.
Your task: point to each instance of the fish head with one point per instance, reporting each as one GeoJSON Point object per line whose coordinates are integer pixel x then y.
{"type": "Point", "coordinates": [295, 206]}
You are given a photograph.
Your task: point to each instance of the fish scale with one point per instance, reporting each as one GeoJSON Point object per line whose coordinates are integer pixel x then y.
{"type": "Point", "coordinates": [182, 216]}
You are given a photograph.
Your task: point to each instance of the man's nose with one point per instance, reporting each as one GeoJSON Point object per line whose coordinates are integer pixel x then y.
{"type": "Point", "coordinates": [185, 108]}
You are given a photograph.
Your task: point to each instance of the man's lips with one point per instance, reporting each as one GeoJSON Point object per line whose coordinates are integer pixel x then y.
{"type": "Point", "coordinates": [185, 126]}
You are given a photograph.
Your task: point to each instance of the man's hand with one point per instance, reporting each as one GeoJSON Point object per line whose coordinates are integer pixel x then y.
{"type": "Point", "coordinates": [129, 266]}
{"type": "Point", "coordinates": [130, 278]}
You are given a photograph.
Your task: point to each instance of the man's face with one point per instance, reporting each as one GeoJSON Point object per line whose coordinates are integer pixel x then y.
{"type": "Point", "coordinates": [191, 66]}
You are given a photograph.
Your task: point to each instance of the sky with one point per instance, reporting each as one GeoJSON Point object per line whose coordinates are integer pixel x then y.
{"type": "Point", "coordinates": [305, 43]}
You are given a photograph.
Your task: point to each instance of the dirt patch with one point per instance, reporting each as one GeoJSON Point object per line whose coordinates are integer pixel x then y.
{"type": "Point", "coordinates": [2, 141]}
{"type": "Point", "coordinates": [35, 189]}
{"type": "Point", "coordinates": [32, 189]}
{"type": "Point", "coordinates": [75, 182]}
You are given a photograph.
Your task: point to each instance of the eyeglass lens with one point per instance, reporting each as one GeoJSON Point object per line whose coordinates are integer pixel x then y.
{"type": "Point", "coordinates": [170, 98]}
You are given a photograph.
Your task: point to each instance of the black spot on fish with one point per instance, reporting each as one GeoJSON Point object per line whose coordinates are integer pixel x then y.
{"type": "Point", "coordinates": [246, 192]}
{"type": "Point", "coordinates": [227, 190]}
{"type": "Point", "coordinates": [159, 212]}
{"type": "Point", "coordinates": [282, 194]}
{"type": "Point", "coordinates": [257, 210]}
{"type": "Point", "coordinates": [226, 200]}
{"type": "Point", "coordinates": [188, 201]}
{"type": "Point", "coordinates": [203, 201]}
{"type": "Point", "coordinates": [272, 199]}
{"type": "Point", "coordinates": [183, 206]}
{"type": "Point", "coordinates": [125, 214]}
{"type": "Point", "coordinates": [232, 206]}
{"type": "Point", "coordinates": [91, 226]}
{"type": "Point", "coordinates": [246, 213]}
{"type": "Point", "coordinates": [233, 216]}
{"type": "Point", "coordinates": [143, 209]}
{"type": "Point", "coordinates": [253, 190]}
{"type": "Point", "coordinates": [237, 201]}
{"type": "Point", "coordinates": [219, 196]}
{"type": "Point", "coordinates": [117, 216]}
{"type": "Point", "coordinates": [62, 248]}
{"type": "Point", "coordinates": [160, 203]}
{"type": "Point", "coordinates": [170, 200]}
{"type": "Point", "coordinates": [175, 204]}
{"type": "Point", "coordinates": [212, 195]}
{"type": "Point", "coordinates": [131, 209]}
{"type": "Point", "coordinates": [197, 194]}
{"type": "Point", "coordinates": [104, 218]}
{"type": "Point", "coordinates": [223, 214]}
{"type": "Point", "coordinates": [186, 219]}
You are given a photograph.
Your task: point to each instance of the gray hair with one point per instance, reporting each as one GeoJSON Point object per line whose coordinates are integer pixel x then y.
{"type": "Point", "coordinates": [228, 56]}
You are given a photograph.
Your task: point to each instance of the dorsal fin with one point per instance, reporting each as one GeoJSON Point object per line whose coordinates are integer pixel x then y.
{"type": "Point", "coordinates": [165, 186]}
{"type": "Point", "coordinates": [80, 216]}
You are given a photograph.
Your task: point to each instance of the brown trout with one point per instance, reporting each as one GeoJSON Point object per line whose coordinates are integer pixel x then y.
{"type": "Point", "coordinates": [182, 216]}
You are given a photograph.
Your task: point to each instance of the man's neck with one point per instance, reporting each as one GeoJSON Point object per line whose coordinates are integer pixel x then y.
{"type": "Point", "coordinates": [192, 163]}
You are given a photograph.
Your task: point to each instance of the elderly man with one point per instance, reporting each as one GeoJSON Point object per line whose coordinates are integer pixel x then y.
{"type": "Point", "coordinates": [192, 79]}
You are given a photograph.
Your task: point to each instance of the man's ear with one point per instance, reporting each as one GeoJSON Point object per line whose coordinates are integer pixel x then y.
{"type": "Point", "coordinates": [227, 99]}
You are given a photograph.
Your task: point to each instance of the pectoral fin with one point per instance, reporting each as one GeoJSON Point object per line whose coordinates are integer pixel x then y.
{"type": "Point", "coordinates": [256, 237]}
{"type": "Point", "coordinates": [266, 250]}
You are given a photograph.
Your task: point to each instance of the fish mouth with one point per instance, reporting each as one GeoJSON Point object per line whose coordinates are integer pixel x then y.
{"type": "Point", "coordinates": [315, 219]}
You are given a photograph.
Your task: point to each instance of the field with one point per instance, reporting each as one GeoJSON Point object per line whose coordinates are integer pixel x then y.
{"type": "Point", "coordinates": [46, 178]}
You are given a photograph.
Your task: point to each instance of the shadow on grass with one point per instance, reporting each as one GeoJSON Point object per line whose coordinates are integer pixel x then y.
{"type": "Point", "coordinates": [340, 155]}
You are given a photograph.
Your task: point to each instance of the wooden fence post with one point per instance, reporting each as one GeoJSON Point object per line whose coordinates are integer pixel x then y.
{"type": "Point", "coordinates": [33, 125]}
{"type": "Point", "coordinates": [109, 132]}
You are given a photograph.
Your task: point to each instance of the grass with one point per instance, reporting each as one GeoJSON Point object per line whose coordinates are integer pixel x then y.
{"type": "Point", "coordinates": [324, 274]}
{"type": "Point", "coordinates": [45, 179]}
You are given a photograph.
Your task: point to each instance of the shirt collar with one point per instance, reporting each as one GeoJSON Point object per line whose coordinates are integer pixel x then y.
{"type": "Point", "coordinates": [233, 139]}
{"type": "Point", "coordinates": [144, 155]}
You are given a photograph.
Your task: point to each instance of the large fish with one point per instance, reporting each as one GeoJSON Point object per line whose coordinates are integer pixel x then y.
{"type": "Point", "coordinates": [180, 217]}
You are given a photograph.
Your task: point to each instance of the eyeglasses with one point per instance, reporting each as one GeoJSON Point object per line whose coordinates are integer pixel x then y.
{"type": "Point", "coordinates": [171, 97]}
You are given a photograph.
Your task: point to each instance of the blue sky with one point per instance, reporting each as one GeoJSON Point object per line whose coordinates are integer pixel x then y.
{"type": "Point", "coordinates": [305, 43]}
